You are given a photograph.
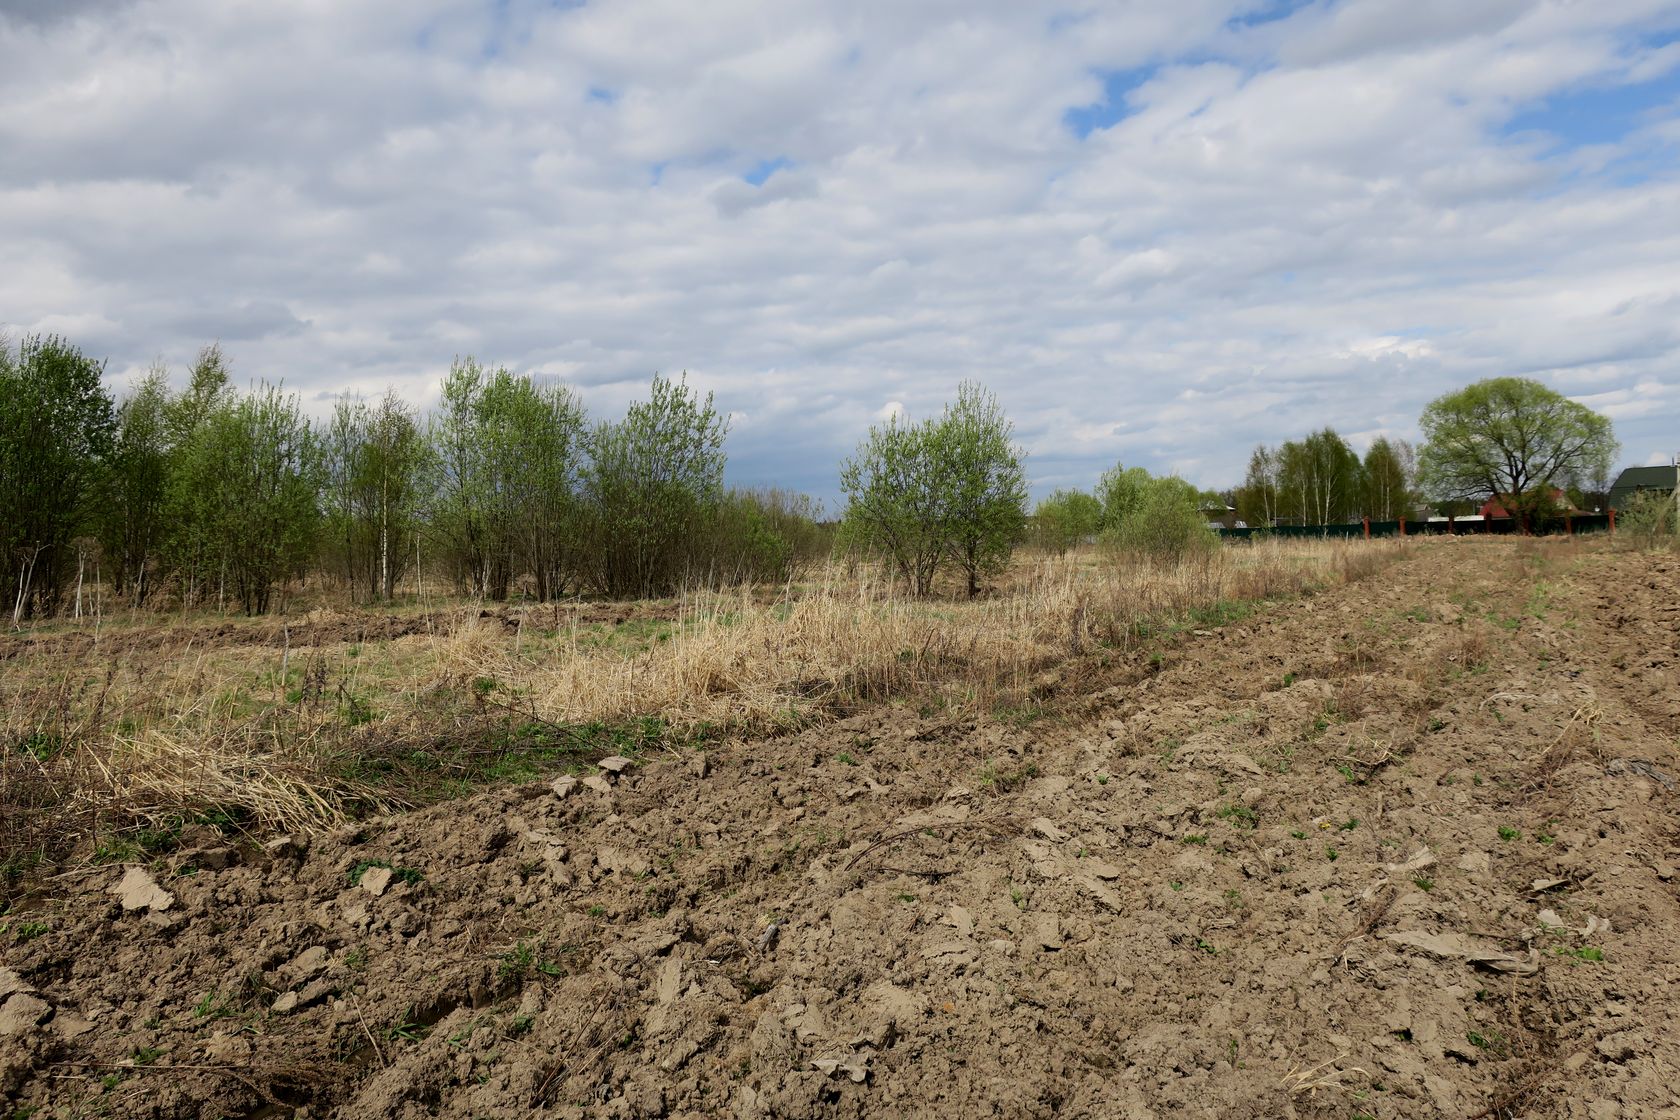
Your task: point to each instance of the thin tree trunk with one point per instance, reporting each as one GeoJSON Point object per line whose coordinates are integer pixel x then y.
{"type": "Point", "coordinates": [385, 536]}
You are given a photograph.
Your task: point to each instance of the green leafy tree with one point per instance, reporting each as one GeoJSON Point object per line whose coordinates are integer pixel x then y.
{"type": "Point", "coordinates": [535, 459]}
{"type": "Point", "coordinates": [1387, 476]}
{"type": "Point", "coordinates": [56, 429]}
{"type": "Point", "coordinates": [1257, 499]}
{"type": "Point", "coordinates": [894, 505]}
{"type": "Point", "coordinates": [1319, 479]}
{"type": "Point", "coordinates": [187, 554]}
{"type": "Point", "coordinates": [509, 456]}
{"type": "Point", "coordinates": [464, 513]}
{"type": "Point", "coordinates": [1120, 490]}
{"type": "Point", "coordinates": [985, 484]}
{"type": "Point", "coordinates": [1514, 439]}
{"type": "Point", "coordinates": [1065, 519]}
{"type": "Point", "coordinates": [651, 490]}
{"type": "Point", "coordinates": [951, 489]}
{"type": "Point", "coordinates": [134, 527]}
{"type": "Point", "coordinates": [377, 468]}
{"type": "Point", "coordinates": [247, 481]}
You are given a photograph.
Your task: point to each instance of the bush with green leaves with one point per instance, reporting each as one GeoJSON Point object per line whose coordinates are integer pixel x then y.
{"type": "Point", "coordinates": [951, 489]}
{"type": "Point", "coordinates": [1065, 519]}
{"type": "Point", "coordinates": [509, 457]}
{"type": "Point", "coordinates": [246, 483]}
{"type": "Point", "coordinates": [1166, 522]}
{"type": "Point", "coordinates": [1120, 489]}
{"type": "Point", "coordinates": [764, 536]}
{"type": "Point", "coordinates": [651, 490]}
{"type": "Point", "coordinates": [1649, 521]}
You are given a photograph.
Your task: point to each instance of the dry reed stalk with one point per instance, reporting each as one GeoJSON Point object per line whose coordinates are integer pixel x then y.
{"type": "Point", "coordinates": [188, 725]}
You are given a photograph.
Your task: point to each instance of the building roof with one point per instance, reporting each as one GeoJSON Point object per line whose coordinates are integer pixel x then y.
{"type": "Point", "coordinates": [1659, 478]}
{"type": "Point", "coordinates": [1635, 479]}
{"type": "Point", "coordinates": [1494, 507]}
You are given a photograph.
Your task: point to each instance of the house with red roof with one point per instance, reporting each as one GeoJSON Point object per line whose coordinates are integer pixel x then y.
{"type": "Point", "coordinates": [1492, 509]}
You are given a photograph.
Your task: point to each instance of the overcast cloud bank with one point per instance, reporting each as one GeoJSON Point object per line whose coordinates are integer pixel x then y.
{"type": "Point", "coordinates": [1161, 230]}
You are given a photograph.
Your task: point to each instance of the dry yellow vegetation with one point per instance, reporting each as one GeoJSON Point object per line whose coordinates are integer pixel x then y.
{"type": "Point", "coordinates": [298, 722]}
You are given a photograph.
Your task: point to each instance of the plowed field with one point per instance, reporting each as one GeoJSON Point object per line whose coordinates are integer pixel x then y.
{"type": "Point", "coordinates": [1404, 848]}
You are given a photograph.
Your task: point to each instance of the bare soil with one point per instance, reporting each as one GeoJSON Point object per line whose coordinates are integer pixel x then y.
{"type": "Point", "coordinates": [1406, 848]}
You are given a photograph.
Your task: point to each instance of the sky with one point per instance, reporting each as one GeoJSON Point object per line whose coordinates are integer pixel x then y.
{"type": "Point", "coordinates": [1161, 231]}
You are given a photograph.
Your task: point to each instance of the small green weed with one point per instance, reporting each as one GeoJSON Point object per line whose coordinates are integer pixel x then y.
{"type": "Point", "coordinates": [1004, 780]}
{"type": "Point", "coordinates": [27, 931]}
{"type": "Point", "coordinates": [1240, 816]}
{"type": "Point", "coordinates": [410, 875]}
{"type": "Point", "coordinates": [1493, 1042]}
{"type": "Point", "coordinates": [407, 1031]}
{"type": "Point", "coordinates": [213, 1005]}
{"type": "Point", "coordinates": [1584, 953]}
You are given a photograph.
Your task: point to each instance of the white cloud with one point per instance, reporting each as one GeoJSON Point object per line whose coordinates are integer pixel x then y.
{"type": "Point", "coordinates": [1317, 219]}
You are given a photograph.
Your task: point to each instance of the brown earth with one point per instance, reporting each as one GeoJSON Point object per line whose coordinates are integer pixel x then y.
{"type": "Point", "coordinates": [1403, 849]}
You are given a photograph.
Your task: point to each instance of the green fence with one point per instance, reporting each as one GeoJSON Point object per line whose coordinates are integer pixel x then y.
{"type": "Point", "coordinates": [1500, 526]}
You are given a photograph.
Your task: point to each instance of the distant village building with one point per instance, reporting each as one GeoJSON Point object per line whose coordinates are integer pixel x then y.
{"type": "Point", "coordinates": [1221, 515]}
{"type": "Point", "coordinates": [1641, 480]}
{"type": "Point", "coordinates": [1494, 509]}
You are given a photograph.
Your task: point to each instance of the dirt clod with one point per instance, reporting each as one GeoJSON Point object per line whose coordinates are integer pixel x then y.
{"type": "Point", "coordinates": [137, 890]}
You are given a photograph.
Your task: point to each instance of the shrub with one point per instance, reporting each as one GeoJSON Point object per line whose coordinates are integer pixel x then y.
{"type": "Point", "coordinates": [951, 489]}
{"type": "Point", "coordinates": [1649, 520]}
{"type": "Point", "coordinates": [1165, 523]}
{"type": "Point", "coordinates": [652, 490]}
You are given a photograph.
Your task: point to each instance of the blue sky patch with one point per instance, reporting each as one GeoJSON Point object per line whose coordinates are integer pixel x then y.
{"type": "Point", "coordinates": [766, 168]}
{"type": "Point", "coordinates": [1112, 109]}
{"type": "Point", "coordinates": [1601, 114]}
{"type": "Point", "coordinates": [1268, 11]}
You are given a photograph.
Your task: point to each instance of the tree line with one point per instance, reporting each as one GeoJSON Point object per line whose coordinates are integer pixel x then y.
{"type": "Point", "coordinates": [214, 496]}
{"type": "Point", "coordinates": [1320, 480]}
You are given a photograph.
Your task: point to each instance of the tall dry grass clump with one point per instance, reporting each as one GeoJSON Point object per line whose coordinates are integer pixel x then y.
{"type": "Point", "coordinates": [106, 729]}
{"type": "Point", "coordinates": [747, 664]}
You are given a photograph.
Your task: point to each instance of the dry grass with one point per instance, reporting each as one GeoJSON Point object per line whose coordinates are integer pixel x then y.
{"type": "Point", "coordinates": [103, 728]}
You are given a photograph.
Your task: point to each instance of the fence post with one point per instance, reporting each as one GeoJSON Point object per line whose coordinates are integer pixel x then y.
{"type": "Point", "coordinates": [1402, 526]}
{"type": "Point", "coordinates": [1612, 521]}
{"type": "Point", "coordinates": [1451, 532]}
{"type": "Point", "coordinates": [1367, 522]}
{"type": "Point", "coordinates": [1568, 524]}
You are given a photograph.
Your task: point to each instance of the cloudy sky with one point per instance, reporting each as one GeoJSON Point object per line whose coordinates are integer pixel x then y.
{"type": "Point", "coordinates": [1160, 230]}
